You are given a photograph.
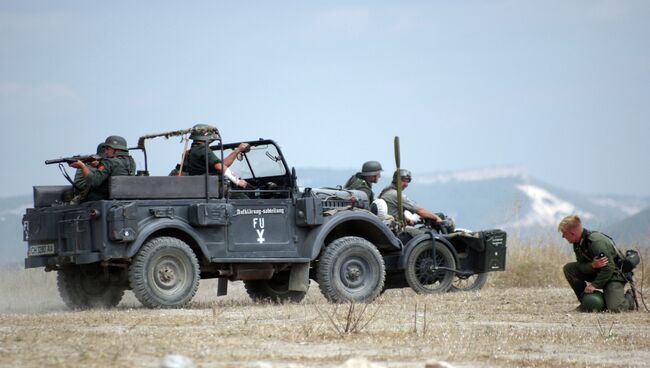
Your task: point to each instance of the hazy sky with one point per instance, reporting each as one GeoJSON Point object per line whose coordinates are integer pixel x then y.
{"type": "Point", "coordinates": [561, 89]}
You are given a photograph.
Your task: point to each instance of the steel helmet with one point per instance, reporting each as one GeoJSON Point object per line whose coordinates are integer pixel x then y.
{"type": "Point", "coordinates": [630, 261]}
{"type": "Point", "coordinates": [204, 132]}
{"type": "Point", "coordinates": [594, 302]}
{"type": "Point", "coordinates": [405, 174]}
{"type": "Point", "coordinates": [116, 142]}
{"type": "Point", "coordinates": [371, 168]}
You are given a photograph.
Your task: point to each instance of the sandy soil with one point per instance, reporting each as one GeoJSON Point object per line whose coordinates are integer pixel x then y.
{"type": "Point", "coordinates": [496, 327]}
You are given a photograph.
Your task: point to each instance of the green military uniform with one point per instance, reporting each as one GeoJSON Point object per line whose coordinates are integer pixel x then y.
{"type": "Point", "coordinates": [389, 194]}
{"type": "Point", "coordinates": [196, 160]}
{"type": "Point", "coordinates": [607, 278]}
{"type": "Point", "coordinates": [121, 164]}
{"type": "Point", "coordinates": [359, 182]}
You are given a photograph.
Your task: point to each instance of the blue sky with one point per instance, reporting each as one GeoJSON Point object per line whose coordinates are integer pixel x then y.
{"type": "Point", "coordinates": [561, 89]}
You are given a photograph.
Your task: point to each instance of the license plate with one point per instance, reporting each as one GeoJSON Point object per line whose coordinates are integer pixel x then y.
{"type": "Point", "coordinates": [40, 249]}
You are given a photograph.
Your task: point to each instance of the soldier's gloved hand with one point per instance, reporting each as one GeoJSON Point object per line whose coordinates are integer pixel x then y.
{"type": "Point", "coordinates": [589, 288]}
{"type": "Point", "coordinates": [599, 262]}
{"type": "Point", "coordinates": [242, 183]}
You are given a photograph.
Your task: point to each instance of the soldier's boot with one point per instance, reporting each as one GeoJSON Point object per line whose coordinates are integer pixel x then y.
{"type": "Point", "coordinates": [629, 299]}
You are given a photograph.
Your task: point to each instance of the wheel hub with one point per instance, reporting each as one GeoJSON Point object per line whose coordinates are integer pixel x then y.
{"type": "Point", "coordinates": [166, 274]}
{"type": "Point", "coordinates": [428, 266]}
{"type": "Point", "coordinates": [353, 273]}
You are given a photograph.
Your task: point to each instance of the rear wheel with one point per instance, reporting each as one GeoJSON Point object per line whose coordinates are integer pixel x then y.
{"type": "Point", "coordinates": [469, 283]}
{"type": "Point", "coordinates": [164, 273]}
{"type": "Point", "coordinates": [351, 269]}
{"type": "Point", "coordinates": [422, 273]}
{"type": "Point", "coordinates": [88, 287]}
{"type": "Point", "coordinates": [275, 290]}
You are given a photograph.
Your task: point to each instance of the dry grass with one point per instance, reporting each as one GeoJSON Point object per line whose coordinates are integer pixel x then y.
{"type": "Point", "coordinates": [505, 325]}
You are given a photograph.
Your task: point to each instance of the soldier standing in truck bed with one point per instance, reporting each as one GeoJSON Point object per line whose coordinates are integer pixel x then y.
{"type": "Point", "coordinates": [116, 161]}
{"type": "Point", "coordinates": [80, 188]}
{"type": "Point", "coordinates": [370, 173]}
{"type": "Point", "coordinates": [203, 134]}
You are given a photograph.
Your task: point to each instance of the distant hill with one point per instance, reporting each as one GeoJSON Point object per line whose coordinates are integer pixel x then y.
{"type": "Point", "coordinates": [499, 197]}
{"type": "Point", "coordinates": [632, 230]}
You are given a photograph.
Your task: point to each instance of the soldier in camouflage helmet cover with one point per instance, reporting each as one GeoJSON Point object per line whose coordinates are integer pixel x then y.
{"type": "Point", "coordinates": [116, 161]}
{"type": "Point", "coordinates": [363, 180]}
{"type": "Point", "coordinates": [389, 195]}
{"type": "Point", "coordinates": [201, 135]}
{"type": "Point", "coordinates": [594, 268]}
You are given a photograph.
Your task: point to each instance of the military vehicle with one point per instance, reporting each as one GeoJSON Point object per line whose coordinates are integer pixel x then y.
{"type": "Point", "coordinates": [159, 235]}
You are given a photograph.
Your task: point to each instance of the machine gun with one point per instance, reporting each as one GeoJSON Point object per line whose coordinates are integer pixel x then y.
{"type": "Point", "coordinates": [75, 158]}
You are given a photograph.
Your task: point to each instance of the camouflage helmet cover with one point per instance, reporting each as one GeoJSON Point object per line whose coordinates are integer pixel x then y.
{"type": "Point", "coordinates": [204, 132]}
{"type": "Point", "coordinates": [594, 302]}
{"type": "Point", "coordinates": [371, 168]}
{"type": "Point", "coordinates": [116, 142]}
{"type": "Point", "coordinates": [404, 174]}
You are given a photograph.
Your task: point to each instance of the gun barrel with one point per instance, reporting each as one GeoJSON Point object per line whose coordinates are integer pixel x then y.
{"type": "Point", "coordinates": [55, 161]}
{"type": "Point", "coordinates": [82, 158]}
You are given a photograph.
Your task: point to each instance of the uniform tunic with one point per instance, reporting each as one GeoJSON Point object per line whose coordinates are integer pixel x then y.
{"type": "Point", "coordinates": [359, 182]}
{"type": "Point", "coordinates": [196, 160]}
{"type": "Point", "coordinates": [120, 165]}
{"type": "Point", "coordinates": [389, 194]}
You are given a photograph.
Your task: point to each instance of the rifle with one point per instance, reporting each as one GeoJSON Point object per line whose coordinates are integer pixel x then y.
{"type": "Point", "coordinates": [69, 160]}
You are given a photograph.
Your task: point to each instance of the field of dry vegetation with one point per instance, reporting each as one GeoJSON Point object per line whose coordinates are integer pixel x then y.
{"type": "Point", "coordinates": [524, 317]}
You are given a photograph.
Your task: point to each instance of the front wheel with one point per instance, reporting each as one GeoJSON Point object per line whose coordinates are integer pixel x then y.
{"type": "Point", "coordinates": [275, 290]}
{"type": "Point", "coordinates": [351, 269]}
{"type": "Point", "coordinates": [422, 273]}
{"type": "Point", "coordinates": [469, 283]}
{"type": "Point", "coordinates": [164, 273]}
{"type": "Point", "coordinates": [88, 287]}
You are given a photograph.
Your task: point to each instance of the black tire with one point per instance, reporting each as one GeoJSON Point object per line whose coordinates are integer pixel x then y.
{"type": "Point", "coordinates": [469, 283]}
{"type": "Point", "coordinates": [164, 273]}
{"type": "Point", "coordinates": [86, 287]}
{"type": "Point", "coordinates": [351, 269]}
{"type": "Point", "coordinates": [275, 290]}
{"type": "Point", "coordinates": [420, 271]}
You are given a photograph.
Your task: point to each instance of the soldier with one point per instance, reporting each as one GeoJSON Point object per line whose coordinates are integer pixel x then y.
{"type": "Point", "coordinates": [370, 173]}
{"type": "Point", "coordinates": [116, 161]}
{"type": "Point", "coordinates": [80, 188]}
{"type": "Point", "coordinates": [594, 268]}
{"type": "Point", "coordinates": [389, 195]}
{"type": "Point", "coordinates": [203, 134]}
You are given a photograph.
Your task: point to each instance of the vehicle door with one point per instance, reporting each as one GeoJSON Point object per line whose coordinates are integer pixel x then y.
{"type": "Point", "coordinates": [262, 224]}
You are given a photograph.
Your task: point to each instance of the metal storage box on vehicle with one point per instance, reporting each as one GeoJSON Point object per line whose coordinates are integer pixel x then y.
{"type": "Point", "coordinates": [210, 214]}
{"type": "Point", "coordinates": [493, 258]}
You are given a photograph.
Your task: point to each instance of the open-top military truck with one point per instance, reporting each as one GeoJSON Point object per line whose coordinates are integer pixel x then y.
{"type": "Point", "coordinates": [159, 235]}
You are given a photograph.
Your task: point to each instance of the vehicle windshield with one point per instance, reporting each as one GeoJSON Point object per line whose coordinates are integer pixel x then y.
{"type": "Point", "coordinates": [261, 161]}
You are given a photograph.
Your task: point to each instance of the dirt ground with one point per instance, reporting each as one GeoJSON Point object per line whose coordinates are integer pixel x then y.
{"type": "Point", "coordinates": [497, 327]}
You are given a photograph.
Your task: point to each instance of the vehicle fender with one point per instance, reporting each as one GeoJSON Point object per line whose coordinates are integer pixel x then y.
{"type": "Point", "coordinates": [364, 224]}
{"type": "Point", "coordinates": [408, 248]}
{"type": "Point", "coordinates": [160, 224]}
